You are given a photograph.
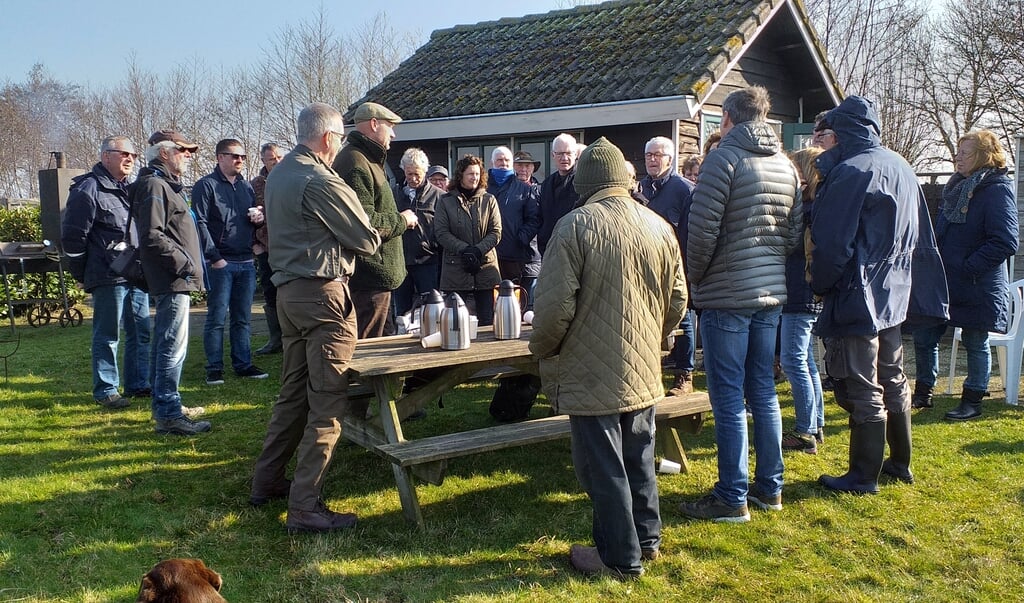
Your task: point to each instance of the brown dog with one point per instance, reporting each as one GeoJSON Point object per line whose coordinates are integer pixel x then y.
{"type": "Point", "coordinates": [181, 581]}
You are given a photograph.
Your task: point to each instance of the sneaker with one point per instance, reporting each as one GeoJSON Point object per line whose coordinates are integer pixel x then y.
{"type": "Point", "coordinates": [711, 507]}
{"type": "Point", "coordinates": [181, 426]}
{"type": "Point", "coordinates": [215, 377]}
{"type": "Point", "coordinates": [763, 501]}
{"type": "Point", "coordinates": [193, 412]}
{"type": "Point", "coordinates": [252, 372]}
{"type": "Point", "coordinates": [113, 401]}
{"type": "Point", "coordinates": [792, 440]}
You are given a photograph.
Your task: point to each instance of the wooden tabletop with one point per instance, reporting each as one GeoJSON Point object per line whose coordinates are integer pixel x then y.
{"type": "Point", "coordinates": [400, 354]}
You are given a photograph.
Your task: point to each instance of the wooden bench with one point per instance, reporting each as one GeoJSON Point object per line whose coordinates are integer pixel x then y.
{"type": "Point", "coordinates": [428, 456]}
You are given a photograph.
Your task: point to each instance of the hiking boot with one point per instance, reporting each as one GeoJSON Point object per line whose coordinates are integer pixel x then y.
{"type": "Point", "coordinates": [215, 377]}
{"type": "Point", "coordinates": [252, 372]}
{"type": "Point", "coordinates": [319, 520]}
{"type": "Point", "coordinates": [922, 397]}
{"type": "Point", "coordinates": [650, 554]}
{"type": "Point", "coordinates": [139, 393]}
{"type": "Point", "coordinates": [281, 490]}
{"type": "Point", "coordinates": [682, 385]}
{"type": "Point", "coordinates": [711, 507]}
{"type": "Point", "coordinates": [792, 440]}
{"type": "Point", "coordinates": [181, 426]}
{"type": "Point", "coordinates": [763, 501]}
{"type": "Point", "coordinates": [193, 412]}
{"type": "Point", "coordinates": [113, 401]}
{"type": "Point", "coordinates": [586, 560]}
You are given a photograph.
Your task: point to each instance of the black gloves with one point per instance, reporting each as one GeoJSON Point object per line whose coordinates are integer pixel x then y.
{"type": "Point", "coordinates": [472, 258]}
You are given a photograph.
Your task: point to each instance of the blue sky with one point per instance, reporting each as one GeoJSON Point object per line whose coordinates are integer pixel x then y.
{"type": "Point", "coordinates": [88, 41]}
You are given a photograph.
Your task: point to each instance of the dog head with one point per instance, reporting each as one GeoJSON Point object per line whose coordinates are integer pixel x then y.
{"type": "Point", "coordinates": [181, 581]}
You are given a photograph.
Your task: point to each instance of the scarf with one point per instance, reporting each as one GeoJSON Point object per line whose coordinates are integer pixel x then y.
{"type": "Point", "coordinates": [958, 192]}
{"type": "Point", "coordinates": [500, 176]}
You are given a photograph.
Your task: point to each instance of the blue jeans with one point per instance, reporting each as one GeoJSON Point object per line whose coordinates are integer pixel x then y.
{"type": "Point", "coordinates": [231, 288]}
{"type": "Point", "coordinates": [979, 356]}
{"type": "Point", "coordinates": [110, 303]}
{"type": "Point", "coordinates": [683, 350]}
{"type": "Point", "coordinates": [739, 354]}
{"type": "Point", "coordinates": [614, 460]}
{"type": "Point", "coordinates": [170, 344]}
{"type": "Point", "coordinates": [797, 357]}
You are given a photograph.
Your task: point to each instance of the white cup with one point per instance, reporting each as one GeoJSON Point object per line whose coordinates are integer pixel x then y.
{"type": "Point", "coordinates": [667, 466]}
{"type": "Point", "coordinates": [254, 211]}
{"type": "Point", "coordinates": [431, 341]}
{"type": "Point", "coordinates": [528, 317]}
{"type": "Point", "coordinates": [474, 326]}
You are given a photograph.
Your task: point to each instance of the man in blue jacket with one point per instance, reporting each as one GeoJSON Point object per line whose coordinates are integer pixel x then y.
{"type": "Point", "coordinates": [876, 264]}
{"type": "Point", "coordinates": [94, 220]}
{"type": "Point", "coordinates": [520, 216]}
{"type": "Point", "coordinates": [221, 202]}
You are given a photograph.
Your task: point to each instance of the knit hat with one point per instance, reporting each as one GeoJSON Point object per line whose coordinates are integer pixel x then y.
{"type": "Point", "coordinates": [601, 165]}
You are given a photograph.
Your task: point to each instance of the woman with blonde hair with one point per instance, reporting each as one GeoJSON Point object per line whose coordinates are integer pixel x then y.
{"type": "Point", "coordinates": [796, 352]}
{"type": "Point", "coordinates": [976, 233]}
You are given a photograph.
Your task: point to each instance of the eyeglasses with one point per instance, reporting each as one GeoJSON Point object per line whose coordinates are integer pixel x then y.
{"type": "Point", "coordinates": [563, 153]}
{"type": "Point", "coordinates": [122, 154]}
{"type": "Point", "coordinates": [655, 155]}
{"type": "Point", "coordinates": [340, 135]}
{"type": "Point", "coordinates": [235, 156]}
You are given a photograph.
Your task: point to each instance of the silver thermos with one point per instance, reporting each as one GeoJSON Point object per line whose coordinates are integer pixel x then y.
{"type": "Point", "coordinates": [454, 324]}
{"type": "Point", "coordinates": [507, 315]}
{"type": "Point", "coordinates": [430, 310]}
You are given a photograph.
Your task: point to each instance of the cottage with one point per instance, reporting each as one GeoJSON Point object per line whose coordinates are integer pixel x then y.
{"type": "Point", "coordinates": [627, 70]}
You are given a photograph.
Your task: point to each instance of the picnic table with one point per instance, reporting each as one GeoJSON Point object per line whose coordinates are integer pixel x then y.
{"type": "Point", "coordinates": [379, 367]}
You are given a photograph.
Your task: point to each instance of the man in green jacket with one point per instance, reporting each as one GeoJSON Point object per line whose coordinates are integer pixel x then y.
{"type": "Point", "coordinates": [361, 164]}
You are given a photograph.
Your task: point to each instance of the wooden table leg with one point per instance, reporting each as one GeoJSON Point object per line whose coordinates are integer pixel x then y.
{"type": "Point", "coordinates": [669, 446]}
{"type": "Point", "coordinates": [387, 389]}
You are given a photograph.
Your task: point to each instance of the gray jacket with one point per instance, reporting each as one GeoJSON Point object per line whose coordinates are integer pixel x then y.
{"type": "Point", "coordinates": [744, 221]}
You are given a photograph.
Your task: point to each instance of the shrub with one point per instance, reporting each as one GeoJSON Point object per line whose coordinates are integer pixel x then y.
{"type": "Point", "coordinates": [24, 224]}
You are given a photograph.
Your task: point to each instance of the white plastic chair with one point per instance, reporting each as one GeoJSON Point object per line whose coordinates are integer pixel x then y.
{"type": "Point", "coordinates": [1009, 347]}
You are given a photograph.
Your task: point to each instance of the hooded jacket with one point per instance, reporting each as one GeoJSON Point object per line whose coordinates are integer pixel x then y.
{"type": "Point", "coordinates": [95, 216]}
{"type": "Point", "coordinates": [168, 240]}
{"type": "Point", "coordinates": [361, 164]}
{"type": "Point", "coordinates": [744, 220]}
{"type": "Point", "coordinates": [875, 260]}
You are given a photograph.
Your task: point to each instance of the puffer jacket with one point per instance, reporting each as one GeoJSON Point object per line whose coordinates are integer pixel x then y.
{"type": "Point", "coordinates": [744, 220]}
{"type": "Point", "coordinates": [168, 239]}
{"type": "Point", "coordinates": [361, 164]}
{"type": "Point", "coordinates": [974, 253]}
{"type": "Point", "coordinates": [610, 291]}
{"type": "Point", "coordinates": [519, 205]}
{"type": "Point", "coordinates": [875, 260]}
{"type": "Point", "coordinates": [95, 217]}
{"type": "Point", "coordinates": [459, 222]}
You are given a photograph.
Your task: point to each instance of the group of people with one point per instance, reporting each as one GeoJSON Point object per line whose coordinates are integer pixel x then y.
{"type": "Point", "coordinates": [837, 240]}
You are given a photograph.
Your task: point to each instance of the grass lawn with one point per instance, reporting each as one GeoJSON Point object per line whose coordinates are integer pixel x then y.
{"type": "Point", "coordinates": [90, 499]}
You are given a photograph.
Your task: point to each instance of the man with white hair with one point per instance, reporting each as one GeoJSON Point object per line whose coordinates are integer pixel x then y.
{"type": "Point", "coordinates": [317, 227]}
{"type": "Point", "coordinates": [669, 196]}
{"type": "Point", "coordinates": [557, 195]}
{"type": "Point", "coordinates": [520, 216]}
{"type": "Point", "coordinates": [95, 219]}
{"type": "Point", "coordinates": [172, 261]}
{"type": "Point", "coordinates": [422, 257]}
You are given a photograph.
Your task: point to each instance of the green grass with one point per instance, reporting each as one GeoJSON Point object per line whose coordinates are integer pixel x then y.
{"type": "Point", "coordinates": [90, 499]}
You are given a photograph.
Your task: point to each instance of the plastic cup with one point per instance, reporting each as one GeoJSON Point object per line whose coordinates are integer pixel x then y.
{"type": "Point", "coordinates": [431, 341]}
{"type": "Point", "coordinates": [528, 317]}
{"type": "Point", "coordinates": [667, 466]}
{"type": "Point", "coordinates": [474, 326]}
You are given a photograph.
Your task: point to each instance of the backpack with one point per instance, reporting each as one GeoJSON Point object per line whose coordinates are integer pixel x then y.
{"type": "Point", "coordinates": [514, 398]}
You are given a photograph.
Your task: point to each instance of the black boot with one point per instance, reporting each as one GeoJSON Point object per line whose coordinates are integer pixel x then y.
{"type": "Point", "coordinates": [970, 406]}
{"type": "Point", "coordinates": [274, 326]}
{"type": "Point", "coordinates": [867, 448]}
{"type": "Point", "coordinates": [897, 433]}
{"type": "Point", "coordinates": [922, 396]}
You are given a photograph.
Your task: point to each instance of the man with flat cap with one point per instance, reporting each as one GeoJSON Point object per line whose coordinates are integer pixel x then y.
{"type": "Point", "coordinates": [438, 176]}
{"type": "Point", "coordinates": [361, 164]}
{"type": "Point", "coordinates": [173, 264]}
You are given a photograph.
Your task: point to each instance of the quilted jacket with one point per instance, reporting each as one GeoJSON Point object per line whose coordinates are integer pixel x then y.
{"type": "Point", "coordinates": [744, 220]}
{"type": "Point", "coordinates": [610, 291]}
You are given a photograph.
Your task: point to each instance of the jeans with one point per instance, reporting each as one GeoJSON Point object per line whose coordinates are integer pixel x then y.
{"type": "Point", "coordinates": [614, 460]}
{"type": "Point", "coordinates": [797, 357]}
{"type": "Point", "coordinates": [231, 288]}
{"type": "Point", "coordinates": [170, 344]}
{"type": "Point", "coordinates": [110, 303]}
{"type": "Point", "coordinates": [979, 356]}
{"type": "Point", "coordinates": [683, 350]}
{"type": "Point", "coordinates": [739, 354]}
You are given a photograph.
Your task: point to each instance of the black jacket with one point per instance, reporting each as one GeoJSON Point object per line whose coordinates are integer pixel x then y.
{"type": "Point", "coordinates": [557, 198]}
{"type": "Point", "coordinates": [95, 217]}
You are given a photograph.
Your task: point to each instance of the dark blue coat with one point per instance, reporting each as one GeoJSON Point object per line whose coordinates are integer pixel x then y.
{"type": "Point", "coordinates": [222, 217]}
{"type": "Point", "coordinates": [672, 202]}
{"type": "Point", "coordinates": [875, 259]}
{"type": "Point", "coordinates": [519, 204]}
{"type": "Point", "coordinates": [557, 197]}
{"type": "Point", "coordinates": [95, 216]}
{"type": "Point", "coordinates": [974, 253]}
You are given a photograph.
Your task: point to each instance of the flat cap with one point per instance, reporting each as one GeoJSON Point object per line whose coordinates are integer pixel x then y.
{"type": "Point", "coordinates": [368, 111]}
{"type": "Point", "coordinates": [173, 136]}
{"type": "Point", "coordinates": [437, 169]}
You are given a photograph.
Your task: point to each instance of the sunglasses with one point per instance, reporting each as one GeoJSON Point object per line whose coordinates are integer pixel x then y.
{"type": "Point", "coordinates": [121, 154]}
{"type": "Point", "coordinates": [235, 156]}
